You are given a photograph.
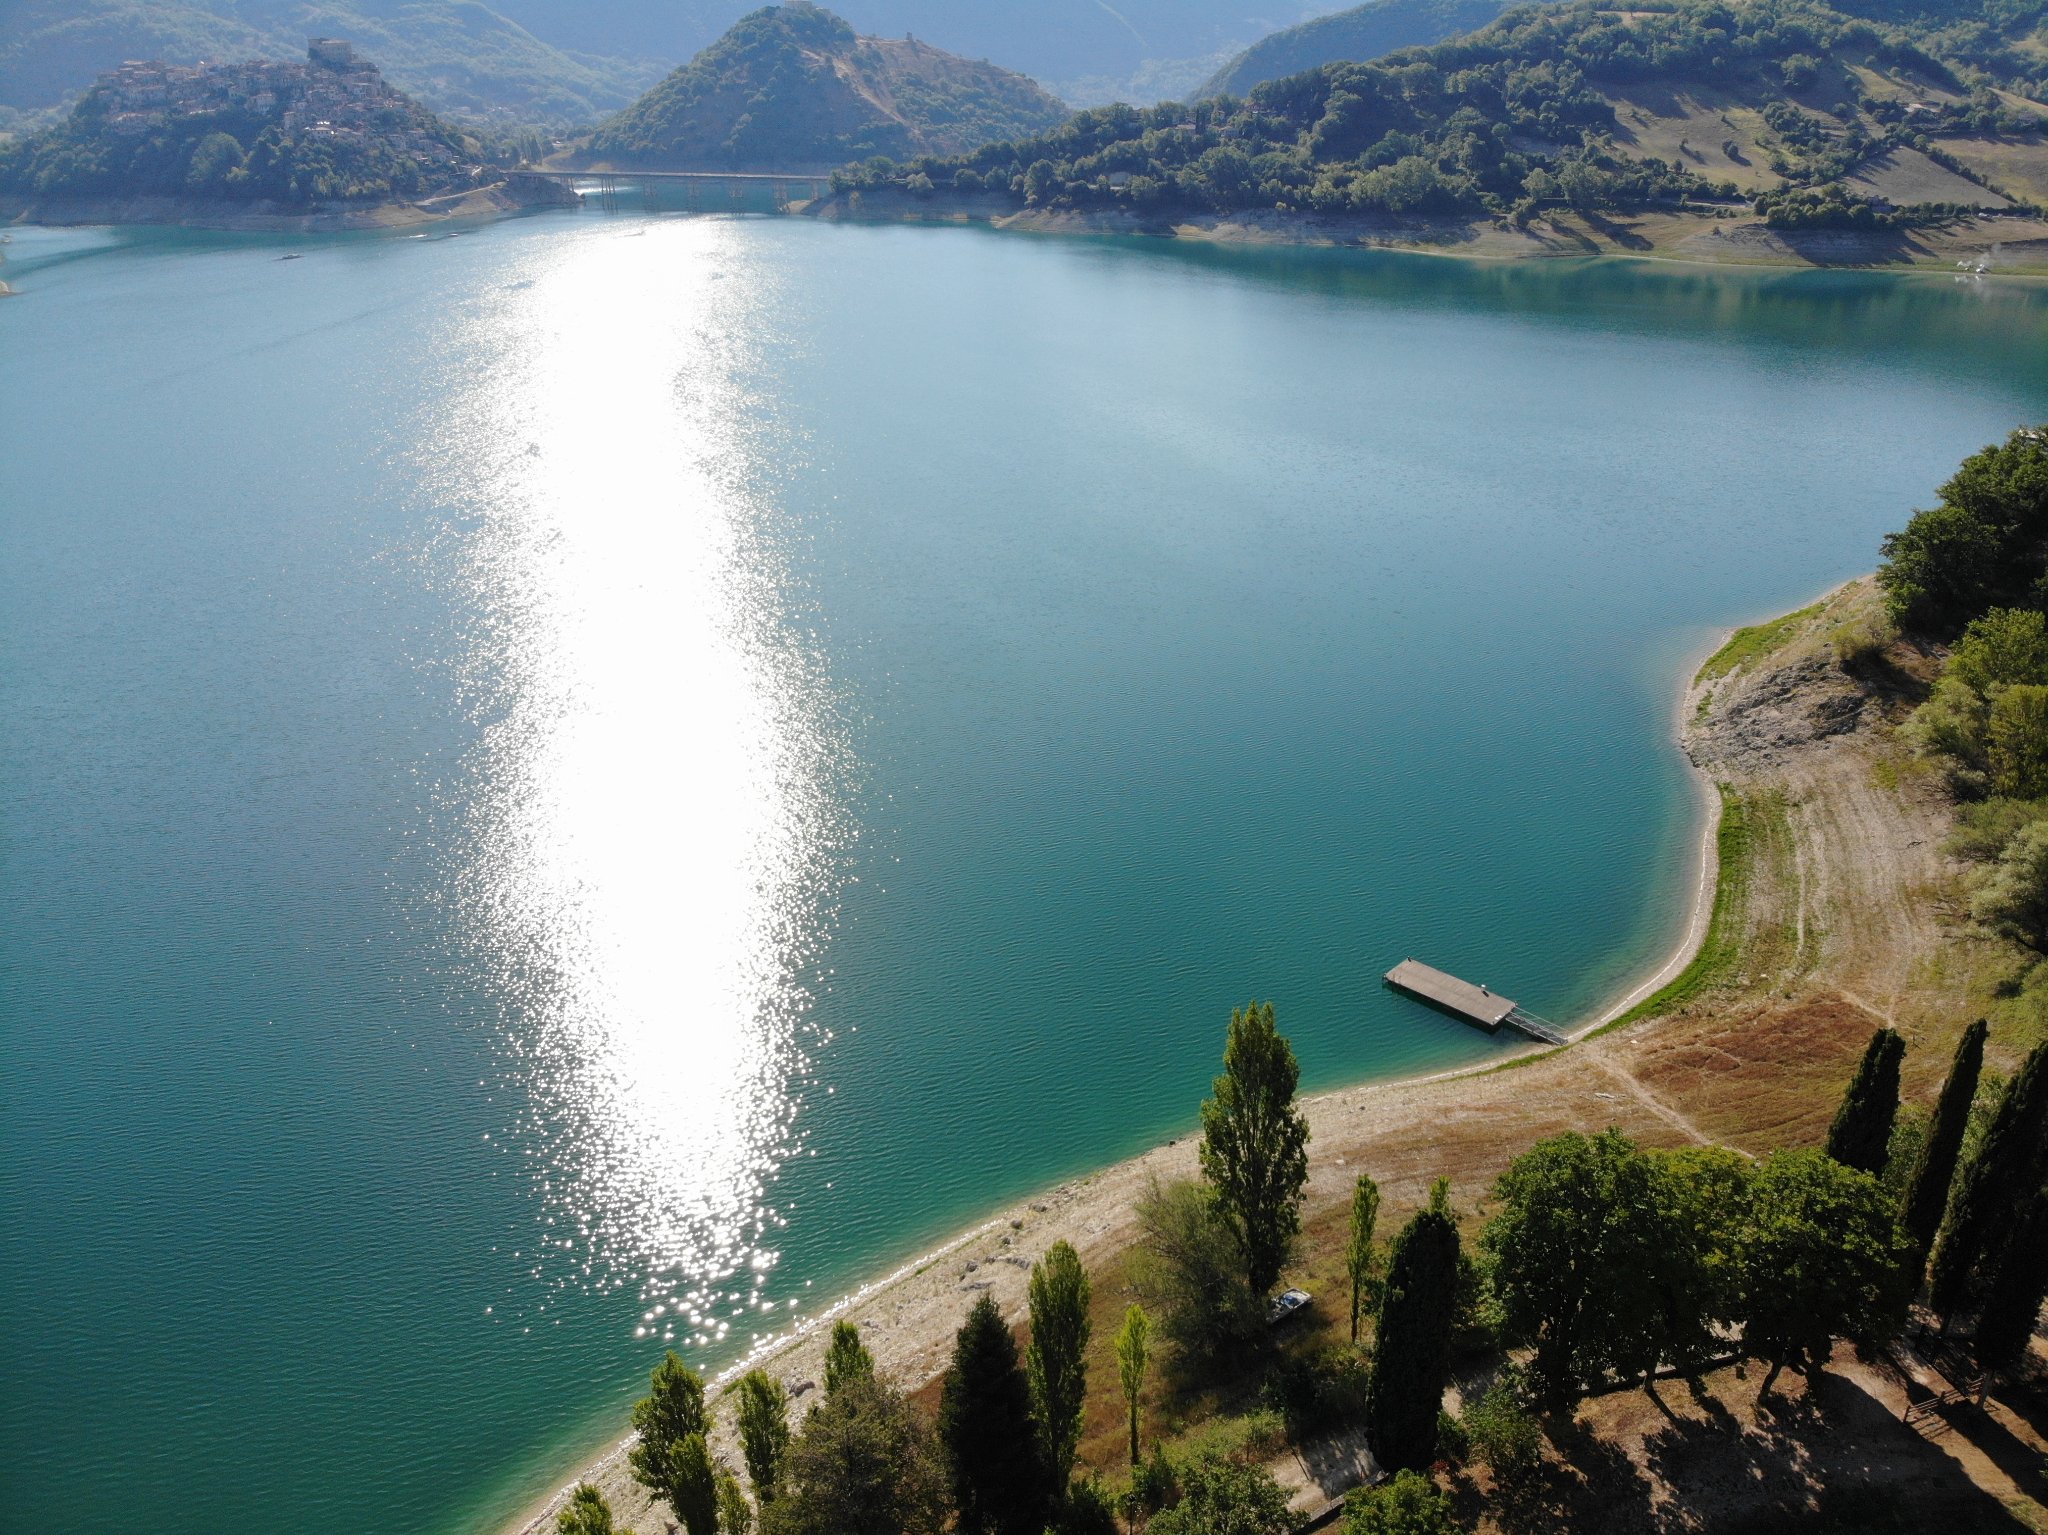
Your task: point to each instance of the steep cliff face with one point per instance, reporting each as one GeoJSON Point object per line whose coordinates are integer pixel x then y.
{"type": "Point", "coordinates": [793, 87]}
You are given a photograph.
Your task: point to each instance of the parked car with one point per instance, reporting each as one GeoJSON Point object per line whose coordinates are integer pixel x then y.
{"type": "Point", "coordinates": [1284, 1305]}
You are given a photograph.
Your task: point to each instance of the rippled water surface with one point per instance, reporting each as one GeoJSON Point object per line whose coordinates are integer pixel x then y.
{"type": "Point", "coordinates": [592, 783]}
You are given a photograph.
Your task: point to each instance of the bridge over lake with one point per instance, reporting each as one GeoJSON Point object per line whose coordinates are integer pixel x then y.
{"type": "Point", "coordinates": [694, 190]}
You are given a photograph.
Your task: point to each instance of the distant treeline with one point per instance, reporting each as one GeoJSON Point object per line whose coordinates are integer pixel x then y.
{"type": "Point", "coordinates": [1501, 123]}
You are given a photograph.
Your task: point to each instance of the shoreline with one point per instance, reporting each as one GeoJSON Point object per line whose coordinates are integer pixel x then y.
{"type": "Point", "coordinates": [479, 204]}
{"type": "Point", "coordinates": [537, 1515]}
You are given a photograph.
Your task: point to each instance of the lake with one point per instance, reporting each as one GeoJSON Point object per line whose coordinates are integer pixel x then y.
{"type": "Point", "coordinates": [594, 783]}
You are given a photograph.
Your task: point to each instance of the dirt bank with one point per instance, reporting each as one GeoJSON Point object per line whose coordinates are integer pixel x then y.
{"type": "Point", "coordinates": [496, 201]}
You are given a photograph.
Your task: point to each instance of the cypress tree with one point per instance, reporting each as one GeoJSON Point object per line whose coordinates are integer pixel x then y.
{"type": "Point", "coordinates": [764, 1431]}
{"type": "Point", "coordinates": [1411, 1353]}
{"type": "Point", "coordinates": [2014, 1288]}
{"type": "Point", "coordinates": [1863, 1125]}
{"type": "Point", "coordinates": [1935, 1170]}
{"type": "Point", "coordinates": [985, 1426]}
{"type": "Point", "coordinates": [1255, 1143]}
{"type": "Point", "coordinates": [2000, 1178]}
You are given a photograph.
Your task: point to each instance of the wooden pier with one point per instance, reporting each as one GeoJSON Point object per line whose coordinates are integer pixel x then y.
{"type": "Point", "coordinates": [1477, 1005]}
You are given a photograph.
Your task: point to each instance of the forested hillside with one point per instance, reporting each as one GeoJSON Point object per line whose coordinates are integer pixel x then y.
{"type": "Point", "coordinates": [455, 55]}
{"type": "Point", "coordinates": [792, 87]}
{"type": "Point", "coordinates": [1363, 32]}
{"type": "Point", "coordinates": [1820, 117]}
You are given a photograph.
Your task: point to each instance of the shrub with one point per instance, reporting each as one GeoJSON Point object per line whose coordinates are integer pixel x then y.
{"type": "Point", "coordinates": [1318, 1391]}
{"type": "Point", "coordinates": [1503, 1433]}
{"type": "Point", "coordinates": [1409, 1504]}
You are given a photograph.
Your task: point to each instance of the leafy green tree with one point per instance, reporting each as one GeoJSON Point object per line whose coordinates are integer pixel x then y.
{"type": "Point", "coordinates": [735, 1513]}
{"type": "Point", "coordinates": [2012, 895]}
{"type": "Point", "coordinates": [1411, 1352]}
{"type": "Point", "coordinates": [1821, 1259]}
{"type": "Point", "coordinates": [1591, 1251]}
{"type": "Point", "coordinates": [2014, 1288]}
{"type": "Point", "coordinates": [1221, 1497]}
{"type": "Point", "coordinates": [987, 1433]}
{"type": "Point", "coordinates": [764, 1430]}
{"type": "Point", "coordinates": [586, 1513]}
{"type": "Point", "coordinates": [1358, 1250]}
{"type": "Point", "coordinates": [863, 1463]}
{"type": "Point", "coordinates": [1132, 1355]}
{"type": "Point", "coordinates": [214, 160]}
{"type": "Point", "coordinates": [2017, 741]}
{"type": "Point", "coordinates": [847, 1358]}
{"type": "Point", "coordinates": [2002, 648]}
{"type": "Point", "coordinates": [673, 1459]}
{"type": "Point", "coordinates": [1058, 1357]}
{"type": "Point", "coordinates": [1254, 1147]}
{"type": "Point", "coordinates": [1980, 548]}
{"type": "Point", "coordinates": [1934, 1172]}
{"type": "Point", "coordinates": [1999, 1179]}
{"type": "Point", "coordinates": [1862, 1130]}
{"type": "Point", "coordinates": [1189, 1268]}
{"type": "Point", "coordinates": [1408, 1503]}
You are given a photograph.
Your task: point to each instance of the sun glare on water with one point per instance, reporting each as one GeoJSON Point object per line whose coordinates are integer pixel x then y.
{"type": "Point", "coordinates": [647, 854]}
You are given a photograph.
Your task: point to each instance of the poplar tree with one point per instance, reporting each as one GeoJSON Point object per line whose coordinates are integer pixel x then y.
{"type": "Point", "coordinates": [1255, 1143]}
{"type": "Point", "coordinates": [1132, 1355]}
{"type": "Point", "coordinates": [1058, 1357]}
{"type": "Point", "coordinates": [2004, 1173]}
{"type": "Point", "coordinates": [1935, 1170]}
{"type": "Point", "coordinates": [1863, 1124]}
{"type": "Point", "coordinates": [1365, 1214]}
{"type": "Point", "coordinates": [764, 1430]}
{"type": "Point", "coordinates": [586, 1513]}
{"type": "Point", "coordinates": [847, 1359]}
{"type": "Point", "coordinates": [986, 1430]}
{"type": "Point", "coordinates": [673, 1458]}
{"type": "Point", "coordinates": [1411, 1350]}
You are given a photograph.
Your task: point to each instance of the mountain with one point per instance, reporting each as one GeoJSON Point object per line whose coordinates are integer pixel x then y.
{"type": "Point", "coordinates": [792, 87]}
{"type": "Point", "coordinates": [456, 56]}
{"type": "Point", "coordinates": [1817, 117]}
{"type": "Point", "coordinates": [1364, 32]}
{"type": "Point", "coordinates": [324, 131]}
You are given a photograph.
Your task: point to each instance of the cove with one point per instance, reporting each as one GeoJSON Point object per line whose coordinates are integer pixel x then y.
{"type": "Point", "coordinates": [596, 782]}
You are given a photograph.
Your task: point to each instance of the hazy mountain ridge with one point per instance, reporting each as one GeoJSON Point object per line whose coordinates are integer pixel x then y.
{"type": "Point", "coordinates": [1363, 32]}
{"type": "Point", "coordinates": [455, 55]}
{"type": "Point", "coordinates": [793, 87]}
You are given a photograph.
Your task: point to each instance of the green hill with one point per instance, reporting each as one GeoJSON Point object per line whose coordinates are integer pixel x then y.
{"type": "Point", "coordinates": [455, 55]}
{"type": "Point", "coordinates": [1820, 117]}
{"type": "Point", "coordinates": [792, 87]}
{"type": "Point", "coordinates": [1364, 32]}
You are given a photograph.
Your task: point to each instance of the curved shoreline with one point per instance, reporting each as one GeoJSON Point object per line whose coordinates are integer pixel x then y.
{"type": "Point", "coordinates": [536, 1517]}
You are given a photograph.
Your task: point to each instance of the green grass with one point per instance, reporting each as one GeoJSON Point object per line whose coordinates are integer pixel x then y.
{"type": "Point", "coordinates": [1735, 843]}
{"type": "Point", "coordinates": [1756, 640]}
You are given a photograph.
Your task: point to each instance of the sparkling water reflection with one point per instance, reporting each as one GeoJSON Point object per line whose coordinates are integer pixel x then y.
{"type": "Point", "coordinates": [647, 864]}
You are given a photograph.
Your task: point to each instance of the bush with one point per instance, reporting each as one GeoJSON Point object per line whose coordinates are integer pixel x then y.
{"type": "Point", "coordinates": [1859, 648]}
{"type": "Point", "coordinates": [1409, 1504]}
{"type": "Point", "coordinates": [1319, 1391]}
{"type": "Point", "coordinates": [2012, 895]}
{"type": "Point", "coordinates": [1221, 1497]}
{"type": "Point", "coordinates": [1503, 1433]}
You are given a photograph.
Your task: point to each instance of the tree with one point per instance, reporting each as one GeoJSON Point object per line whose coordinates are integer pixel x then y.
{"type": "Point", "coordinates": [847, 1358]}
{"type": "Point", "coordinates": [586, 1513]}
{"type": "Point", "coordinates": [1222, 1497]}
{"type": "Point", "coordinates": [986, 1430]}
{"type": "Point", "coordinates": [1132, 1341]}
{"type": "Point", "coordinates": [1411, 1352]}
{"type": "Point", "coordinates": [764, 1430]}
{"type": "Point", "coordinates": [1591, 1260]}
{"type": "Point", "coordinates": [2004, 1173]}
{"type": "Point", "coordinates": [1934, 1171]}
{"type": "Point", "coordinates": [1821, 1258]}
{"type": "Point", "coordinates": [1502, 1432]}
{"type": "Point", "coordinates": [1058, 1356]}
{"type": "Point", "coordinates": [1863, 1124]}
{"type": "Point", "coordinates": [2014, 1288]}
{"type": "Point", "coordinates": [2012, 895]}
{"type": "Point", "coordinates": [1980, 547]}
{"type": "Point", "coordinates": [1255, 1143]}
{"type": "Point", "coordinates": [864, 1463]}
{"type": "Point", "coordinates": [1189, 1268]}
{"type": "Point", "coordinates": [2003, 647]}
{"type": "Point", "coordinates": [673, 1458]}
{"type": "Point", "coordinates": [1358, 1251]}
{"type": "Point", "coordinates": [1407, 1504]}
{"type": "Point", "coordinates": [2017, 741]}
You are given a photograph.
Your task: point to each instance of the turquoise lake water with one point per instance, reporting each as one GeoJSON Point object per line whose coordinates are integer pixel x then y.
{"type": "Point", "coordinates": [600, 781]}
